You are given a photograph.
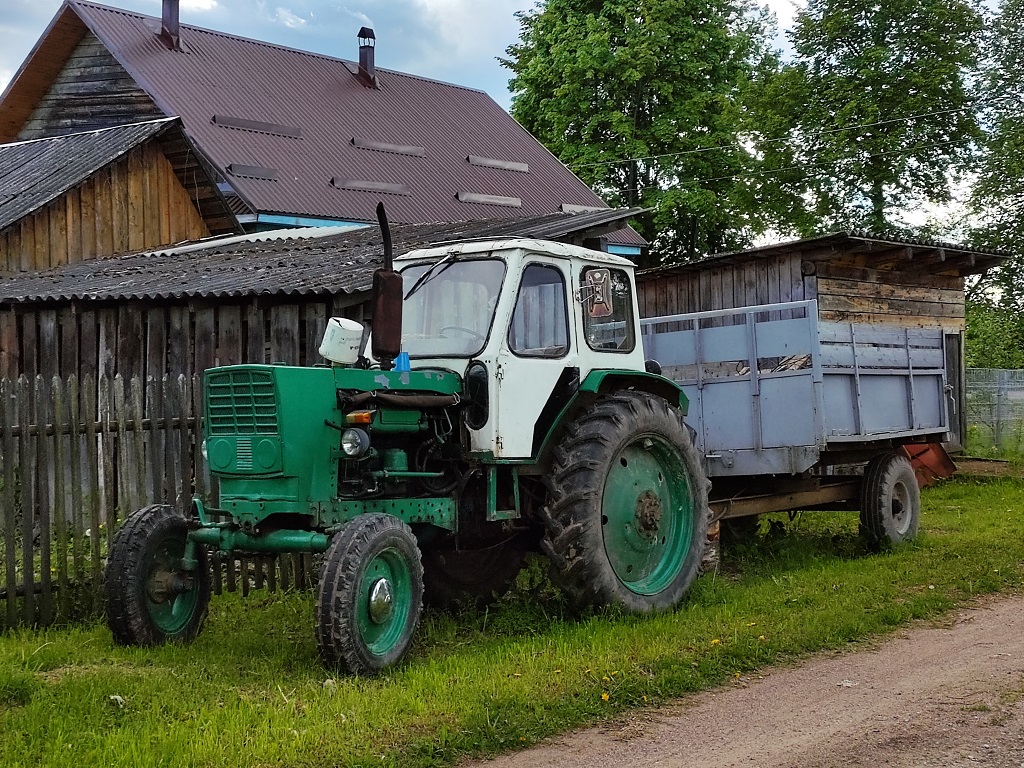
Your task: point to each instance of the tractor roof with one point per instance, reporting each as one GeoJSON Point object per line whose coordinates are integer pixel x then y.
{"type": "Point", "coordinates": [545, 247]}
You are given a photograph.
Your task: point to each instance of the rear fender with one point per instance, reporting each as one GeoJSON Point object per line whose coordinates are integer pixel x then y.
{"type": "Point", "coordinates": [605, 382]}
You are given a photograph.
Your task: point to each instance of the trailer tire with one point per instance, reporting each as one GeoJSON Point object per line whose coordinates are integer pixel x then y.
{"type": "Point", "coordinates": [626, 517]}
{"type": "Point", "coordinates": [891, 501]}
{"type": "Point", "coordinates": [149, 598]}
{"type": "Point", "coordinates": [370, 595]}
{"type": "Point", "coordinates": [456, 578]}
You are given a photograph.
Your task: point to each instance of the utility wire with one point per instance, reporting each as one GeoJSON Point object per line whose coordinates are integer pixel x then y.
{"type": "Point", "coordinates": [805, 136]}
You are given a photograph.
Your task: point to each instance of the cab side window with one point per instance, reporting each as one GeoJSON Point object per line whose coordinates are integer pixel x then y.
{"type": "Point", "coordinates": [540, 321]}
{"type": "Point", "coordinates": [607, 309]}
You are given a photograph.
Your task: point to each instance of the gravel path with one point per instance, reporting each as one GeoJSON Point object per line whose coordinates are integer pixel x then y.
{"type": "Point", "coordinates": [938, 695]}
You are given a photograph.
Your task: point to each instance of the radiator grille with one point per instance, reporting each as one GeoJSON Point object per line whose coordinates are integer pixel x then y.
{"type": "Point", "coordinates": [241, 402]}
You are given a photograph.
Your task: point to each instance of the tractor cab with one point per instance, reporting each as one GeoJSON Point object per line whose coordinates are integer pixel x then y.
{"type": "Point", "coordinates": [524, 322]}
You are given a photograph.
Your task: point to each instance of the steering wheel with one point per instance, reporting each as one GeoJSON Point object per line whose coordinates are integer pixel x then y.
{"type": "Point", "coordinates": [463, 329]}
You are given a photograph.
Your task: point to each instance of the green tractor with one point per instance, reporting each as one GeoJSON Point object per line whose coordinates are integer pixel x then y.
{"type": "Point", "coordinates": [505, 408]}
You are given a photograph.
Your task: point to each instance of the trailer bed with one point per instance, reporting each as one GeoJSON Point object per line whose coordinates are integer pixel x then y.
{"type": "Point", "coordinates": [775, 391]}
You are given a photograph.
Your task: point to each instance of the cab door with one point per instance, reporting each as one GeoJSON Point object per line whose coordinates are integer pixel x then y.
{"type": "Point", "coordinates": [537, 355]}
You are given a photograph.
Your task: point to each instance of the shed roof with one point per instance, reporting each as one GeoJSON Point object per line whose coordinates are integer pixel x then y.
{"type": "Point", "coordinates": [875, 251]}
{"type": "Point", "coordinates": [299, 133]}
{"type": "Point", "coordinates": [34, 173]}
{"type": "Point", "coordinates": [285, 263]}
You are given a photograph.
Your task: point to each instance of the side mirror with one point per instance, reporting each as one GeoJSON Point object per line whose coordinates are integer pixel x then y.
{"type": "Point", "coordinates": [599, 293]}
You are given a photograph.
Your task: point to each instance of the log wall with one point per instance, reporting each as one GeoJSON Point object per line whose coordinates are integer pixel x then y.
{"type": "Point", "coordinates": [92, 91]}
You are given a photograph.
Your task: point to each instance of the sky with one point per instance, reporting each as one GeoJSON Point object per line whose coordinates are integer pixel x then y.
{"type": "Point", "coordinates": [456, 41]}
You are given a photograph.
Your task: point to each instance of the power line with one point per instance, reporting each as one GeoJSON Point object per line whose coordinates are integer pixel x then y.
{"type": "Point", "coordinates": [774, 141]}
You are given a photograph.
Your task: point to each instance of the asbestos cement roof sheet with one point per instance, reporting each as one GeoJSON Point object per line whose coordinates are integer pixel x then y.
{"type": "Point", "coordinates": [282, 263]}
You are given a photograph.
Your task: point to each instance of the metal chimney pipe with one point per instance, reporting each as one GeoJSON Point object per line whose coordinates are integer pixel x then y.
{"type": "Point", "coordinates": [367, 68]}
{"type": "Point", "coordinates": [170, 29]}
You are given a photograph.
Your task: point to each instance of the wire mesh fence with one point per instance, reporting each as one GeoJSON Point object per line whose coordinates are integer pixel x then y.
{"type": "Point", "coordinates": [995, 411]}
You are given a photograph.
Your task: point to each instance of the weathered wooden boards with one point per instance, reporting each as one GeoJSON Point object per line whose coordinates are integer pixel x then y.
{"type": "Point", "coordinates": [78, 456]}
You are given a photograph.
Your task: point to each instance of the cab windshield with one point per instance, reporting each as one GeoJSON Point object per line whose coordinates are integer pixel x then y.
{"type": "Point", "coordinates": [449, 307]}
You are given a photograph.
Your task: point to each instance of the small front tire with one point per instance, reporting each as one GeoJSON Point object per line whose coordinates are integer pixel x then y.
{"type": "Point", "coordinates": [370, 595]}
{"type": "Point", "coordinates": [151, 599]}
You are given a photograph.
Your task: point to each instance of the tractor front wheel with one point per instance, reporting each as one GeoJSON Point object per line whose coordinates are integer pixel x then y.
{"type": "Point", "coordinates": [151, 597]}
{"type": "Point", "coordinates": [627, 513]}
{"type": "Point", "coordinates": [370, 595]}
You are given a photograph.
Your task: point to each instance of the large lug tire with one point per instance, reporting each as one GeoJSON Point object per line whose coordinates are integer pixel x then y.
{"type": "Point", "coordinates": [370, 595]}
{"type": "Point", "coordinates": [150, 598]}
{"type": "Point", "coordinates": [627, 513]}
{"type": "Point", "coordinates": [890, 501]}
{"type": "Point", "coordinates": [456, 578]}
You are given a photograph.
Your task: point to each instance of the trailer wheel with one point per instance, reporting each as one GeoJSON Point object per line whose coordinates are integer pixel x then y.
{"type": "Point", "coordinates": [475, 577]}
{"type": "Point", "coordinates": [150, 598]}
{"type": "Point", "coordinates": [627, 513]}
{"type": "Point", "coordinates": [891, 501]}
{"type": "Point", "coordinates": [370, 595]}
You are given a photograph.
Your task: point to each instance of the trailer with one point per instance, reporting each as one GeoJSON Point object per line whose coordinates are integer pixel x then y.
{"type": "Point", "coordinates": [793, 412]}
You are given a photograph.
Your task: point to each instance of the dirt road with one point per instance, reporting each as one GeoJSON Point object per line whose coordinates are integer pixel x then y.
{"type": "Point", "coordinates": [943, 696]}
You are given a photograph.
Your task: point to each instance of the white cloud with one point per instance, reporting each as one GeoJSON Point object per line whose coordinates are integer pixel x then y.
{"type": "Point", "coordinates": [289, 19]}
{"type": "Point", "coordinates": [198, 5]}
{"type": "Point", "coordinates": [359, 16]}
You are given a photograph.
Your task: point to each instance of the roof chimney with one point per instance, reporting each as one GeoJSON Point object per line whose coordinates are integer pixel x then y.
{"type": "Point", "coordinates": [367, 69]}
{"type": "Point", "coordinates": [170, 31]}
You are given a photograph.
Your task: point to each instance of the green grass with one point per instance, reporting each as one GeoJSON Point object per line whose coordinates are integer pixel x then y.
{"type": "Point", "coordinates": [251, 692]}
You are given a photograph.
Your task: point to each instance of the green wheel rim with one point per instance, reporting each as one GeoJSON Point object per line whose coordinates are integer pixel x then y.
{"type": "Point", "coordinates": [383, 629]}
{"type": "Point", "coordinates": [647, 514]}
{"type": "Point", "coordinates": [172, 594]}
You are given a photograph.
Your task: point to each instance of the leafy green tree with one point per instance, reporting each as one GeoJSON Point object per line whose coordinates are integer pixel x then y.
{"type": "Point", "coordinates": [995, 336]}
{"type": "Point", "coordinates": [643, 100]}
{"type": "Point", "coordinates": [876, 113]}
{"type": "Point", "coordinates": [998, 195]}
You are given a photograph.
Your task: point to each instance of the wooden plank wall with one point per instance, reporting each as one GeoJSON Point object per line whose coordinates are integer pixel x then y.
{"type": "Point", "coordinates": [92, 91]}
{"type": "Point", "coordinates": [133, 204]}
{"type": "Point", "coordinates": [845, 293]}
{"type": "Point", "coordinates": [766, 280]}
{"type": "Point", "coordinates": [887, 297]}
{"type": "Point", "coordinates": [147, 339]}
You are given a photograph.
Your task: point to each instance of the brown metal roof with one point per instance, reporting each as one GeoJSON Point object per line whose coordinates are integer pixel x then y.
{"type": "Point", "coordinates": [930, 256]}
{"type": "Point", "coordinates": [299, 133]}
{"type": "Point", "coordinates": [277, 264]}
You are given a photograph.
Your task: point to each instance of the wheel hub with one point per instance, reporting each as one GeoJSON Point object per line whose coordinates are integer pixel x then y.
{"type": "Point", "coordinates": [382, 601]}
{"type": "Point", "coordinates": [648, 513]}
{"type": "Point", "coordinates": [166, 585]}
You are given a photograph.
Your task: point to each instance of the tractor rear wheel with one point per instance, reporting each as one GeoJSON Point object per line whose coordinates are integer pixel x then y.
{"type": "Point", "coordinates": [453, 578]}
{"type": "Point", "coordinates": [890, 501]}
{"type": "Point", "coordinates": [370, 595]}
{"type": "Point", "coordinates": [151, 598]}
{"type": "Point", "coordinates": [627, 513]}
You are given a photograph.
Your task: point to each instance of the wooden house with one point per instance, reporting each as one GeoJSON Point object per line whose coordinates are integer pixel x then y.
{"type": "Point", "coordinates": [296, 138]}
{"type": "Point", "coordinates": [855, 278]}
{"type": "Point", "coordinates": [81, 196]}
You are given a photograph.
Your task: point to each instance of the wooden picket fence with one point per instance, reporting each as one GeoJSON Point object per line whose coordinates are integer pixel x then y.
{"type": "Point", "coordinates": [78, 457]}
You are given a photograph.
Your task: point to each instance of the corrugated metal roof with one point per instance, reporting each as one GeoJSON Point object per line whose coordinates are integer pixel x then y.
{"type": "Point", "coordinates": [33, 173]}
{"type": "Point", "coordinates": [972, 260]}
{"type": "Point", "coordinates": [316, 121]}
{"type": "Point", "coordinates": [289, 262]}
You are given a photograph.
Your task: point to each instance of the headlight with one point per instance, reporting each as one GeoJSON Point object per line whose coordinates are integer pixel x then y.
{"type": "Point", "coordinates": [355, 443]}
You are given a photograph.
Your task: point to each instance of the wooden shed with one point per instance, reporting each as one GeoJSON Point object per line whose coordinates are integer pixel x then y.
{"type": "Point", "coordinates": [86, 195]}
{"type": "Point", "coordinates": [854, 277]}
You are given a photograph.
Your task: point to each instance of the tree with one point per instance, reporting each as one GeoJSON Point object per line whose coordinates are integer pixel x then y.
{"type": "Point", "coordinates": [876, 112]}
{"type": "Point", "coordinates": [642, 100]}
{"type": "Point", "coordinates": [998, 195]}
